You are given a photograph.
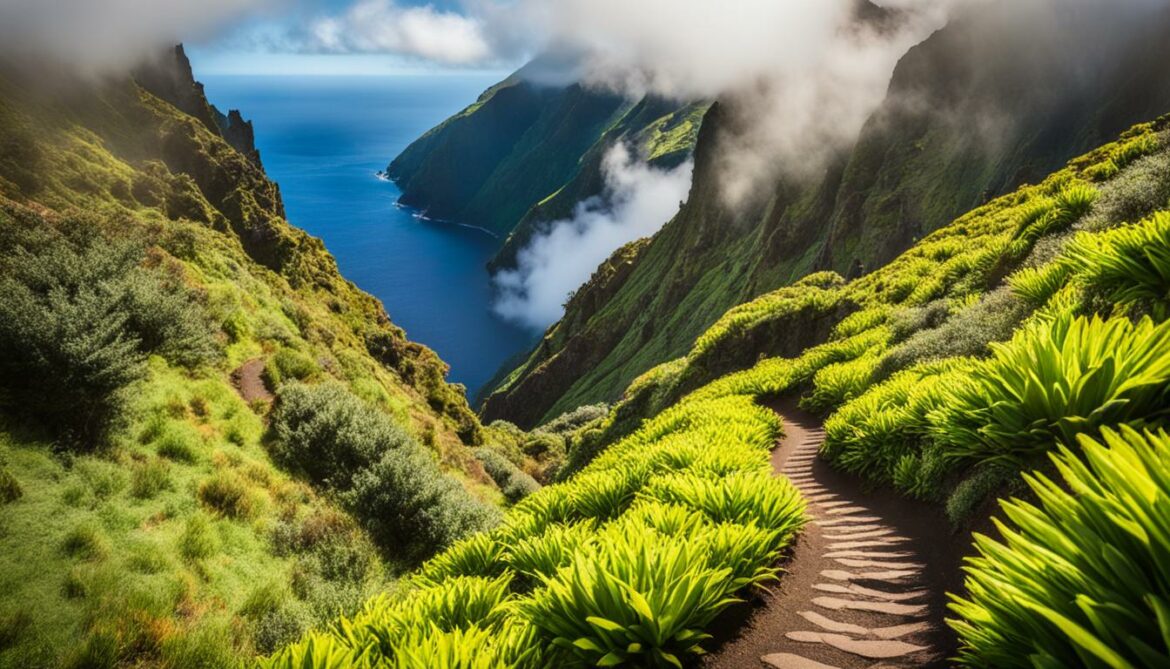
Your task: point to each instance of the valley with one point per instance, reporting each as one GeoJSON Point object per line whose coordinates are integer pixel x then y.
{"type": "Point", "coordinates": [869, 368]}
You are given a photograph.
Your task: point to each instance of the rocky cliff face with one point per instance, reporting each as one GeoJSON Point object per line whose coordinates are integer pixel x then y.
{"type": "Point", "coordinates": [170, 78]}
{"type": "Point", "coordinates": [962, 121]}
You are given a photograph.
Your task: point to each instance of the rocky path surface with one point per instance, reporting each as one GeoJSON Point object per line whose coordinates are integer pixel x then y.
{"type": "Point", "coordinates": [865, 586]}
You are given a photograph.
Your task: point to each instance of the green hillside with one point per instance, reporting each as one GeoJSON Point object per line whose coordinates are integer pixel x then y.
{"type": "Point", "coordinates": [1027, 336]}
{"type": "Point", "coordinates": [914, 168]}
{"type": "Point", "coordinates": [210, 441]}
{"type": "Point", "coordinates": [526, 153]}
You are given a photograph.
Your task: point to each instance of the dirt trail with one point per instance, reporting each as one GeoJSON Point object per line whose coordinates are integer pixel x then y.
{"type": "Point", "coordinates": [249, 381]}
{"type": "Point", "coordinates": [865, 586]}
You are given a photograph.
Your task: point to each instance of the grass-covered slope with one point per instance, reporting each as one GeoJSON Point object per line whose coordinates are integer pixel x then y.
{"type": "Point", "coordinates": [177, 365]}
{"type": "Point", "coordinates": [1032, 326]}
{"type": "Point", "coordinates": [955, 131]}
{"type": "Point", "coordinates": [526, 153]}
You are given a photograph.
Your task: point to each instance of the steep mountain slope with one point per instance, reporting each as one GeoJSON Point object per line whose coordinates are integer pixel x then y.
{"type": "Point", "coordinates": [1029, 332]}
{"type": "Point", "coordinates": [526, 152]}
{"type": "Point", "coordinates": [962, 122]}
{"type": "Point", "coordinates": [177, 363]}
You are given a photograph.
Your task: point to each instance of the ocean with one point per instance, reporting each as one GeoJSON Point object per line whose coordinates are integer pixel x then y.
{"type": "Point", "coordinates": [323, 139]}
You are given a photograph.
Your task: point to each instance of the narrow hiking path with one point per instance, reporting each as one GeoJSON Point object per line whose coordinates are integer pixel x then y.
{"type": "Point", "coordinates": [865, 585]}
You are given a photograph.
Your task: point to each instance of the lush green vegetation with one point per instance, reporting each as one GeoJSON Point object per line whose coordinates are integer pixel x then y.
{"type": "Point", "coordinates": [213, 448]}
{"type": "Point", "coordinates": [1027, 327]}
{"type": "Point", "coordinates": [1079, 578]}
{"type": "Point", "coordinates": [624, 563]}
{"type": "Point", "coordinates": [152, 298]}
{"type": "Point", "coordinates": [390, 483]}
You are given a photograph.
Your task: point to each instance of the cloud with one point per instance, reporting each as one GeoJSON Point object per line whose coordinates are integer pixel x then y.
{"type": "Point", "coordinates": [112, 35]}
{"type": "Point", "coordinates": [384, 26]}
{"type": "Point", "coordinates": [800, 77]}
{"type": "Point", "coordinates": [637, 201]}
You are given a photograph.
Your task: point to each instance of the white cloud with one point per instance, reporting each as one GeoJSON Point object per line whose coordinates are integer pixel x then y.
{"type": "Point", "coordinates": [111, 35]}
{"type": "Point", "coordinates": [638, 200]}
{"type": "Point", "coordinates": [384, 26]}
{"type": "Point", "coordinates": [800, 76]}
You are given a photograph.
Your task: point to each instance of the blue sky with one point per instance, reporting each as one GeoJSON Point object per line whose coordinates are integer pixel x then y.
{"type": "Point", "coordinates": [353, 37]}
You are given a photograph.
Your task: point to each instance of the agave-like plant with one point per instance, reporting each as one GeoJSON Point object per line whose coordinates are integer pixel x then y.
{"type": "Point", "coordinates": [319, 651]}
{"type": "Point", "coordinates": [477, 555]}
{"type": "Point", "coordinates": [1050, 383]}
{"type": "Point", "coordinates": [431, 647]}
{"type": "Point", "coordinates": [1083, 579]}
{"type": "Point", "coordinates": [744, 498]}
{"type": "Point", "coordinates": [636, 598]}
{"type": "Point", "coordinates": [542, 555]}
{"type": "Point", "coordinates": [1130, 266]}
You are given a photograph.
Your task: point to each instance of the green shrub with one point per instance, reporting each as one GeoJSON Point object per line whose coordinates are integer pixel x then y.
{"type": "Point", "coordinates": [149, 478]}
{"type": "Point", "coordinates": [977, 488]}
{"type": "Point", "coordinates": [910, 320]}
{"type": "Point", "coordinates": [289, 365]}
{"type": "Point", "coordinates": [411, 508]}
{"type": "Point", "coordinates": [514, 483]}
{"type": "Point", "coordinates": [1052, 382]}
{"type": "Point", "coordinates": [329, 434]}
{"type": "Point", "coordinates": [198, 539]}
{"type": "Point", "coordinates": [391, 484]}
{"type": "Point", "coordinates": [575, 419]}
{"type": "Point", "coordinates": [967, 333]}
{"type": "Point", "coordinates": [80, 313]}
{"type": "Point", "coordinates": [227, 494]}
{"type": "Point", "coordinates": [10, 489]}
{"type": "Point", "coordinates": [1134, 194]}
{"type": "Point", "coordinates": [1081, 579]}
{"type": "Point", "coordinates": [66, 350]}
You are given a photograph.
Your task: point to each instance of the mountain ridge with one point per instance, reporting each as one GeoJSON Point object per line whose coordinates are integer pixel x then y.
{"type": "Point", "coordinates": [911, 170]}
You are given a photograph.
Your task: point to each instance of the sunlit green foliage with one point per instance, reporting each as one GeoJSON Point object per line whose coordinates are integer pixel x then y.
{"type": "Point", "coordinates": [629, 560]}
{"type": "Point", "coordinates": [880, 429]}
{"type": "Point", "coordinates": [1079, 579]}
{"type": "Point", "coordinates": [1052, 382]}
{"type": "Point", "coordinates": [1127, 266]}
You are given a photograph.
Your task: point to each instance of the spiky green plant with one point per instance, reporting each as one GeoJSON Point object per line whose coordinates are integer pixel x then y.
{"type": "Point", "coordinates": [874, 433]}
{"type": "Point", "coordinates": [542, 555]}
{"type": "Point", "coordinates": [638, 598]}
{"type": "Point", "coordinates": [1129, 266]}
{"type": "Point", "coordinates": [1052, 382]}
{"type": "Point", "coordinates": [319, 651]}
{"type": "Point", "coordinates": [740, 498]}
{"type": "Point", "coordinates": [1037, 285]}
{"type": "Point", "coordinates": [478, 555]}
{"type": "Point", "coordinates": [1082, 579]}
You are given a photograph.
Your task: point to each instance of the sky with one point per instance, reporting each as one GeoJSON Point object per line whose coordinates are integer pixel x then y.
{"type": "Point", "coordinates": [351, 37]}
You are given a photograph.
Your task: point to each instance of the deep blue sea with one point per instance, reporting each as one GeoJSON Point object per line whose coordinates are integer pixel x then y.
{"type": "Point", "coordinates": [323, 139]}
